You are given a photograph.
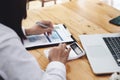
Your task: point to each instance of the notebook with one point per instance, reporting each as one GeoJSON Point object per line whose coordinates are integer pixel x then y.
{"type": "Point", "coordinates": [60, 34]}
{"type": "Point", "coordinates": [103, 52]}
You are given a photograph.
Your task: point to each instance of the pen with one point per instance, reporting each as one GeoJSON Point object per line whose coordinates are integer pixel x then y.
{"type": "Point", "coordinates": [41, 25]}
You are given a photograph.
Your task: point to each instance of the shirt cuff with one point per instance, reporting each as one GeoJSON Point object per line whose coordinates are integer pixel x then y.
{"type": "Point", "coordinates": [55, 70]}
{"type": "Point", "coordinates": [56, 64]}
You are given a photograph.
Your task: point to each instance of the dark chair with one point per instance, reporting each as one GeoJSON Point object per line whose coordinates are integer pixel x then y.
{"type": "Point", "coordinates": [42, 1]}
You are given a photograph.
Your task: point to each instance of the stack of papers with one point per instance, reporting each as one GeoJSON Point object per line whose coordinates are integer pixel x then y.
{"type": "Point", "coordinates": [60, 34]}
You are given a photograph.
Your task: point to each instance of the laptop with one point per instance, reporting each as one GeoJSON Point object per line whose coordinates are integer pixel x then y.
{"type": "Point", "coordinates": [103, 52]}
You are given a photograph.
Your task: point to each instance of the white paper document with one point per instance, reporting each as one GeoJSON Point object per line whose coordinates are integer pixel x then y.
{"type": "Point", "coordinates": [59, 35]}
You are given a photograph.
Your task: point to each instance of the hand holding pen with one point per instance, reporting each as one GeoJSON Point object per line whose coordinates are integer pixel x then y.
{"type": "Point", "coordinates": [46, 25]}
{"type": "Point", "coordinates": [40, 28]}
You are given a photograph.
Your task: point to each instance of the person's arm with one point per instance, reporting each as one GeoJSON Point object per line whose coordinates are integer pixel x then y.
{"type": "Point", "coordinates": [18, 64]}
{"type": "Point", "coordinates": [55, 71]}
{"type": "Point", "coordinates": [37, 29]}
{"type": "Point", "coordinates": [58, 58]}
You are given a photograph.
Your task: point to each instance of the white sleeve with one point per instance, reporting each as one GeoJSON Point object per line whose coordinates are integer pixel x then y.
{"type": "Point", "coordinates": [17, 64]}
{"type": "Point", "coordinates": [55, 71]}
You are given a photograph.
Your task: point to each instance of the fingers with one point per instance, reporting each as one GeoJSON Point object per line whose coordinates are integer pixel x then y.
{"type": "Point", "coordinates": [48, 30]}
{"type": "Point", "coordinates": [69, 49]}
{"type": "Point", "coordinates": [65, 50]}
{"type": "Point", "coordinates": [48, 23]}
{"type": "Point", "coordinates": [59, 53]}
{"type": "Point", "coordinates": [62, 45]}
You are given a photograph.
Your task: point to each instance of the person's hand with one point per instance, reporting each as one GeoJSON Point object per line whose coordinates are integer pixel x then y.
{"type": "Point", "coordinates": [59, 53]}
{"type": "Point", "coordinates": [39, 30]}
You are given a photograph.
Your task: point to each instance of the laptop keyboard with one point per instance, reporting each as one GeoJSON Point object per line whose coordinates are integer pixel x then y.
{"type": "Point", "coordinates": [113, 43]}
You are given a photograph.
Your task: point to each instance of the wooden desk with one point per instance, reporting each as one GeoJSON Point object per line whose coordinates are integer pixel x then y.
{"type": "Point", "coordinates": [81, 17]}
